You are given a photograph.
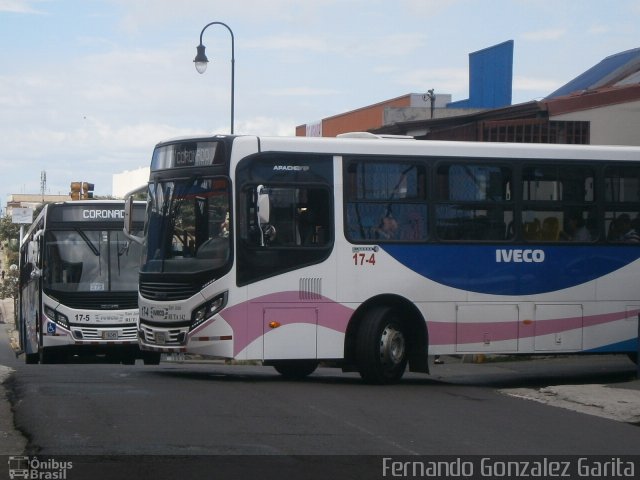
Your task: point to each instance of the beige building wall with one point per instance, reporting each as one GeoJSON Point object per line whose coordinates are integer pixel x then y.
{"type": "Point", "coordinates": [610, 125]}
{"type": "Point", "coordinates": [25, 200]}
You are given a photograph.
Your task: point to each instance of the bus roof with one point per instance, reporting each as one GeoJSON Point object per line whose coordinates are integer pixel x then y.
{"type": "Point", "coordinates": [50, 209]}
{"type": "Point", "coordinates": [364, 144]}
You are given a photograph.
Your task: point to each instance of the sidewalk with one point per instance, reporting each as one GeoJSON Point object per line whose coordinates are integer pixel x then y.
{"type": "Point", "coordinates": [11, 441]}
{"type": "Point", "coordinates": [7, 322]}
{"type": "Point", "coordinates": [614, 402]}
{"type": "Point", "coordinates": [614, 398]}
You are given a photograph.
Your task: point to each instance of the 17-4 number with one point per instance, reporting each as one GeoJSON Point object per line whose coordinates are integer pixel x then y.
{"type": "Point", "coordinates": [364, 259]}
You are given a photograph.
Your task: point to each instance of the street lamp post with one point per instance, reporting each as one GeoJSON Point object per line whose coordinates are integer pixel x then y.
{"type": "Point", "coordinates": [201, 61]}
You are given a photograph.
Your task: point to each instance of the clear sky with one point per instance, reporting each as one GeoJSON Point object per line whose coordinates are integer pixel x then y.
{"type": "Point", "coordinates": [88, 87]}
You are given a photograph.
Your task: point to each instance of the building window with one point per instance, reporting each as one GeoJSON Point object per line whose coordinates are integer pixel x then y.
{"type": "Point", "coordinates": [535, 131]}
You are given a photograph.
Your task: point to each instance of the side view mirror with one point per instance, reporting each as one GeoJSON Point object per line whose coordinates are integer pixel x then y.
{"type": "Point", "coordinates": [128, 216]}
{"type": "Point", "coordinates": [263, 210]}
{"type": "Point", "coordinates": [263, 204]}
{"type": "Point", "coordinates": [35, 272]}
{"type": "Point", "coordinates": [33, 249]}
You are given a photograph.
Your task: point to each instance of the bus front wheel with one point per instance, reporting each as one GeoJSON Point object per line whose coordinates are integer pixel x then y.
{"type": "Point", "coordinates": [31, 358]}
{"type": "Point", "coordinates": [381, 347]}
{"type": "Point", "coordinates": [295, 369]}
{"type": "Point", "coordinates": [151, 358]}
{"type": "Point", "coordinates": [52, 355]}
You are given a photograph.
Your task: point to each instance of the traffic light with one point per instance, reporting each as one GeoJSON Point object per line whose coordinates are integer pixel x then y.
{"type": "Point", "coordinates": [76, 190]}
{"type": "Point", "coordinates": [87, 190]}
{"type": "Point", "coordinates": [81, 190]}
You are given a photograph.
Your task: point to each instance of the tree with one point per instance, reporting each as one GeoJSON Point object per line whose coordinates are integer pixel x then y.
{"type": "Point", "coordinates": [9, 283]}
{"type": "Point", "coordinates": [9, 244]}
{"type": "Point", "coordinates": [8, 230]}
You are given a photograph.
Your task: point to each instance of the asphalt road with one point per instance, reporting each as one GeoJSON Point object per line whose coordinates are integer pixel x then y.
{"type": "Point", "coordinates": [212, 409]}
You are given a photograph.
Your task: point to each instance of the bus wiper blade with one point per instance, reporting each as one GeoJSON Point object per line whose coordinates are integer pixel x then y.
{"type": "Point", "coordinates": [90, 244]}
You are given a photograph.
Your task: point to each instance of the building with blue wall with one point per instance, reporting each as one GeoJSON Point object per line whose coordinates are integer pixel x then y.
{"type": "Point", "coordinates": [490, 78]}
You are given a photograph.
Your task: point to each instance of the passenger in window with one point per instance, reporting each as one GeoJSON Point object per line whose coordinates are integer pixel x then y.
{"type": "Point", "coordinates": [224, 226]}
{"type": "Point", "coordinates": [627, 232]}
{"type": "Point", "coordinates": [387, 229]}
{"type": "Point", "coordinates": [550, 229]}
{"type": "Point", "coordinates": [576, 230]}
{"type": "Point", "coordinates": [306, 226]}
{"type": "Point", "coordinates": [412, 230]}
{"type": "Point", "coordinates": [635, 223]}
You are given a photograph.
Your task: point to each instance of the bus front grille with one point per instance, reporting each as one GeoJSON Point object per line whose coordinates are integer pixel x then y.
{"type": "Point", "coordinates": [168, 291]}
{"type": "Point", "coordinates": [97, 334]}
{"type": "Point", "coordinates": [171, 337]}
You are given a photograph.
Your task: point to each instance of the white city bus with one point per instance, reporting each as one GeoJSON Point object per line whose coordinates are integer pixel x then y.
{"type": "Point", "coordinates": [78, 287]}
{"type": "Point", "coordinates": [371, 254]}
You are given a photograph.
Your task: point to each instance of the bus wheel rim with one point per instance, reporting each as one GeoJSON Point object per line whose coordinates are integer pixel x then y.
{"type": "Point", "coordinates": [392, 346]}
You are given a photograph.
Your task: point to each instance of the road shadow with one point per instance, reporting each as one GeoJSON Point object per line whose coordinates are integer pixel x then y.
{"type": "Point", "coordinates": [521, 374]}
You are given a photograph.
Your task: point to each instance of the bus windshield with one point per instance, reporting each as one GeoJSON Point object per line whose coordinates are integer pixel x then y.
{"type": "Point", "coordinates": [187, 227]}
{"type": "Point", "coordinates": [90, 261]}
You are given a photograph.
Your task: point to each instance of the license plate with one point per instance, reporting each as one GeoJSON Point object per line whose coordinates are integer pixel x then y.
{"type": "Point", "coordinates": [161, 338]}
{"type": "Point", "coordinates": [110, 335]}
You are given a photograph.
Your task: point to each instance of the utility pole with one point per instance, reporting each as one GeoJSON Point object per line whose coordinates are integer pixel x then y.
{"type": "Point", "coordinates": [430, 96]}
{"type": "Point", "coordinates": [43, 184]}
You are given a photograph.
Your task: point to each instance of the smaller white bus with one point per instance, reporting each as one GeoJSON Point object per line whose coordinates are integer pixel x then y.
{"type": "Point", "coordinates": [78, 289]}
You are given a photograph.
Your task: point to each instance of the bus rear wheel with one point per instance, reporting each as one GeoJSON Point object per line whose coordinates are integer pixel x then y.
{"type": "Point", "coordinates": [295, 369]}
{"type": "Point", "coordinates": [381, 347]}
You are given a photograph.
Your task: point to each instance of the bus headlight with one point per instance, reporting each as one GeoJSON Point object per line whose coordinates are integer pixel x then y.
{"type": "Point", "coordinates": [208, 309]}
{"type": "Point", "coordinates": [56, 317]}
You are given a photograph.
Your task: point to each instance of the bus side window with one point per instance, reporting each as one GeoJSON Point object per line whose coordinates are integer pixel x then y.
{"type": "Point", "coordinates": [623, 227]}
{"type": "Point", "coordinates": [314, 224]}
{"type": "Point", "coordinates": [385, 200]}
{"type": "Point", "coordinates": [474, 202]}
{"type": "Point", "coordinates": [299, 217]}
{"type": "Point", "coordinates": [558, 203]}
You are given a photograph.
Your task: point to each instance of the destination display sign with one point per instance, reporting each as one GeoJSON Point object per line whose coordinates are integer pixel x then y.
{"type": "Point", "coordinates": [93, 213]}
{"type": "Point", "coordinates": [186, 154]}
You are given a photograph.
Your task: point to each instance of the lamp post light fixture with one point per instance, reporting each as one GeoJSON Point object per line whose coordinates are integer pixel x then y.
{"type": "Point", "coordinates": [201, 61]}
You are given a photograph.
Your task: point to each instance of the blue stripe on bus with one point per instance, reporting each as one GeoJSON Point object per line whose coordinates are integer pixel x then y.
{"type": "Point", "coordinates": [630, 345]}
{"type": "Point", "coordinates": [512, 270]}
